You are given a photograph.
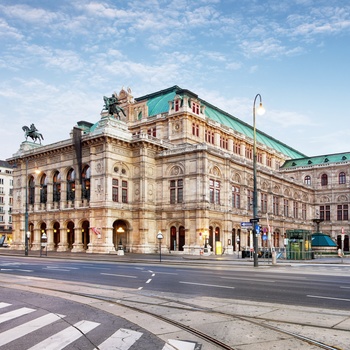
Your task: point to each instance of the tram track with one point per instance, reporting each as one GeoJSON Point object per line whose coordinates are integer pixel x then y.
{"type": "Point", "coordinates": [164, 305]}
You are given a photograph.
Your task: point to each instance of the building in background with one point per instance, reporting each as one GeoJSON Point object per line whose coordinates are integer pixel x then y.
{"type": "Point", "coordinates": [6, 199]}
{"type": "Point", "coordinates": [170, 162]}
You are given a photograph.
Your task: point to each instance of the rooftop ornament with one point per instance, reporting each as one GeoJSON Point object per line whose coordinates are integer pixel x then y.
{"type": "Point", "coordinates": [111, 105]}
{"type": "Point", "coordinates": [33, 133]}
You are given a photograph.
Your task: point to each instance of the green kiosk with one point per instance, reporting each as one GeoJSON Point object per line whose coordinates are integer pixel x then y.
{"type": "Point", "coordinates": [299, 245]}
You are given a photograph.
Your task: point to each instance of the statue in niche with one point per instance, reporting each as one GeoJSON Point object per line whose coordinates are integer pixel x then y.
{"type": "Point", "coordinates": [111, 105]}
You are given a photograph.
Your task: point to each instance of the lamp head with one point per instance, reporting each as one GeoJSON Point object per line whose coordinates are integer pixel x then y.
{"type": "Point", "coordinates": [260, 110]}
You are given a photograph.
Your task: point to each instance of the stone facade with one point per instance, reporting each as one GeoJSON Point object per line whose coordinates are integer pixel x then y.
{"type": "Point", "coordinates": [166, 166]}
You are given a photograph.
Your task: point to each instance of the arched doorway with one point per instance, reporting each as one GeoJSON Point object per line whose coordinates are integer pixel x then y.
{"type": "Point", "coordinates": [182, 238]}
{"type": "Point", "coordinates": [119, 234]}
{"type": "Point", "coordinates": [70, 234]}
{"type": "Point", "coordinates": [214, 236]}
{"type": "Point", "coordinates": [85, 231]}
{"type": "Point", "coordinates": [173, 241]}
{"type": "Point", "coordinates": [56, 234]}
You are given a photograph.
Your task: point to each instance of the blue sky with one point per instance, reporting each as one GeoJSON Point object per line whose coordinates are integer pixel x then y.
{"type": "Point", "coordinates": [59, 58]}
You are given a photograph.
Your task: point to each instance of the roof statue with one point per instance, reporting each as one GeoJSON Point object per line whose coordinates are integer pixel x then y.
{"type": "Point", "coordinates": [33, 133]}
{"type": "Point", "coordinates": [111, 105]}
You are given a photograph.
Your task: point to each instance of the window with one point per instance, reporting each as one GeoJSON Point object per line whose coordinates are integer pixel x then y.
{"type": "Point", "coordinates": [1, 181]}
{"type": "Point", "coordinates": [263, 202]}
{"type": "Point", "coordinates": [177, 105]}
{"type": "Point", "coordinates": [152, 132]}
{"type": "Point", "coordinates": [56, 187]}
{"type": "Point", "coordinates": [249, 152]}
{"type": "Point", "coordinates": [307, 180]}
{"type": "Point", "coordinates": [286, 207]}
{"type": "Point", "coordinates": [236, 197]}
{"type": "Point", "coordinates": [303, 211]}
{"type": "Point", "coordinates": [71, 185]}
{"type": "Point", "coordinates": [325, 212]}
{"type": "Point", "coordinates": [269, 161]}
{"type": "Point", "coordinates": [259, 157]}
{"type": "Point", "coordinates": [176, 191]}
{"type": "Point", "coordinates": [275, 205]}
{"type": "Point", "coordinates": [1, 199]}
{"type": "Point", "coordinates": [342, 212]}
{"type": "Point", "coordinates": [195, 129]}
{"type": "Point", "coordinates": [237, 147]}
{"type": "Point", "coordinates": [115, 190]}
{"type": "Point", "coordinates": [124, 191]}
{"type": "Point", "coordinates": [223, 142]}
{"type": "Point", "coordinates": [209, 136]}
{"type": "Point", "coordinates": [214, 190]}
{"type": "Point", "coordinates": [324, 180]}
{"type": "Point", "coordinates": [250, 196]}
{"type": "Point", "coordinates": [342, 178]}
{"type": "Point", "coordinates": [195, 108]}
{"type": "Point", "coordinates": [1, 190]}
{"type": "Point", "coordinates": [295, 209]}
{"type": "Point", "coordinates": [43, 189]}
{"type": "Point", "coordinates": [85, 194]}
{"type": "Point", "coordinates": [31, 192]}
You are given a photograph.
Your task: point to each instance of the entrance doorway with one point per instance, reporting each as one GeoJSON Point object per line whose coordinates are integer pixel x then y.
{"type": "Point", "coordinates": [177, 238]}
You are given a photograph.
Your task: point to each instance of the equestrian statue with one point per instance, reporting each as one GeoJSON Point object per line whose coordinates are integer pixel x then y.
{"type": "Point", "coordinates": [111, 105]}
{"type": "Point", "coordinates": [33, 133]}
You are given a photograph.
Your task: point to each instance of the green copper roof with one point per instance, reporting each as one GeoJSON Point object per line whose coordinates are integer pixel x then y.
{"type": "Point", "coordinates": [320, 239]}
{"type": "Point", "coordinates": [317, 160]}
{"type": "Point", "coordinates": [158, 103]}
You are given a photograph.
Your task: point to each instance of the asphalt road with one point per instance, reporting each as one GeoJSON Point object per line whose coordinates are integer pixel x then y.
{"type": "Point", "coordinates": [305, 285]}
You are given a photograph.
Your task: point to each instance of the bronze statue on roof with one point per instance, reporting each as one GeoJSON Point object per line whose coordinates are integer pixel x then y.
{"type": "Point", "coordinates": [33, 133]}
{"type": "Point", "coordinates": [111, 105]}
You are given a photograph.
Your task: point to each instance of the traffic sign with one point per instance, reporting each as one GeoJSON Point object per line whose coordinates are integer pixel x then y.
{"type": "Point", "coordinates": [246, 224]}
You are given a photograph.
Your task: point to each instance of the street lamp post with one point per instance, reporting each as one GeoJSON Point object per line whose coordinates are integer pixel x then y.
{"type": "Point", "coordinates": [26, 238]}
{"type": "Point", "coordinates": [255, 219]}
{"type": "Point", "coordinates": [160, 237]}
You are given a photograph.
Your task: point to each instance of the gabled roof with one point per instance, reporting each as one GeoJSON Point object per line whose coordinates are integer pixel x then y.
{"type": "Point", "coordinates": [158, 102]}
{"type": "Point", "coordinates": [317, 160]}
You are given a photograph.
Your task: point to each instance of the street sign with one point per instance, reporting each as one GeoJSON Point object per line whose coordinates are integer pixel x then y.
{"type": "Point", "coordinates": [257, 229]}
{"type": "Point", "coordinates": [246, 224]}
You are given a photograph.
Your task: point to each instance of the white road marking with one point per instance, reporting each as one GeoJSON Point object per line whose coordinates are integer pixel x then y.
{"type": "Point", "coordinates": [248, 279]}
{"type": "Point", "coordinates": [148, 281]}
{"type": "Point", "coordinates": [26, 328]}
{"type": "Point", "coordinates": [15, 313]}
{"type": "Point", "coordinates": [330, 298]}
{"type": "Point", "coordinates": [122, 339]}
{"type": "Point", "coordinates": [2, 305]}
{"type": "Point", "coordinates": [179, 345]}
{"type": "Point", "coordinates": [206, 285]}
{"type": "Point", "coordinates": [61, 339]}
{"type": "Point", "coordinates": [112, 274]}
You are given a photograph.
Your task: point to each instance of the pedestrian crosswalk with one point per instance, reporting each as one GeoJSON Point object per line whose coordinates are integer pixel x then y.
{"type": "Point", "coordinates": [121, 339]}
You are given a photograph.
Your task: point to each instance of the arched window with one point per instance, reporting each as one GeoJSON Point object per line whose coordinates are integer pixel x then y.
{"type": "Point", "coordinates": [56, 187]}
{"type": "Point", "coordinates": [31, 194]}
{"type": "Point", "coordinates": [71, 185]}
{"type": "Point", "coordinates": [324, 180]}
{"type": "Point", "coordinates": [86, 183]}
{"type": "Point", "coordinates": [43, 189]}
{"type": "Point", "coordinates": [342, 178]}
{"type": "Point", "coordinates": [307, 180]}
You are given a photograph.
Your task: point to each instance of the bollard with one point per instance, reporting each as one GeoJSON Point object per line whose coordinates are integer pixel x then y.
{"type": "Point", "coordinates": [274, 258]}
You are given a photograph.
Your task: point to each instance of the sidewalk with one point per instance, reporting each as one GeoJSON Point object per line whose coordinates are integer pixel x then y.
{"type": "Point", "coordinates": [175, 258]}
